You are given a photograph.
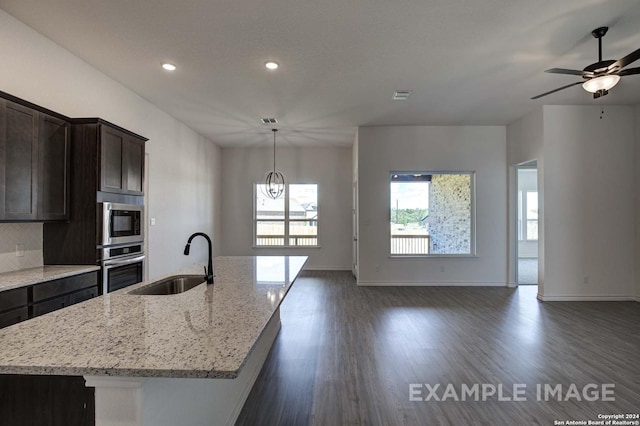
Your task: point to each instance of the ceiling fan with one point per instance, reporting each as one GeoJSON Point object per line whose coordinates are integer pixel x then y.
{"type": "Point", "coordinates": [599, 77]}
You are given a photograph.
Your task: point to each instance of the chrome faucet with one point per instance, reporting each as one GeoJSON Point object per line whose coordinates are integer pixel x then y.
{"type": "Point", "coordinates": [208, 271]}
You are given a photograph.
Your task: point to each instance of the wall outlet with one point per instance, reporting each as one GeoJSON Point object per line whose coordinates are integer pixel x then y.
{"type": "Point", "coordinates": [585, 280]}
{"type": "Point", "coordinates": [377, 268]}
{"type": "Point", "coordinates": [441, 268]}
{"type": "Point", "coordinates": [152, 221]}
{"type": "Point", "coordinates": [19, 250]}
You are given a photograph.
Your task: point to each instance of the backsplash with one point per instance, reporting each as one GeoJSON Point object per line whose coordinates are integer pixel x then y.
{"type": "Point", "coordinates": [27, 234]}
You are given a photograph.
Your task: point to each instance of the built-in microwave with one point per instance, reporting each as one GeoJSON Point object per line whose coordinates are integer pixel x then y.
{"type": "Point", "coordinates": [121, 223]}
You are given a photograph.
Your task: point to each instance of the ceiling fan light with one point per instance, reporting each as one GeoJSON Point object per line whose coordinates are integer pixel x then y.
{"type": "Point", "coordinates": [604, 82]}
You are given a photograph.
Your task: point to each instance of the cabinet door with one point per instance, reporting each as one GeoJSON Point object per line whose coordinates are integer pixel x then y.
{"type": "Point", "coordinates": [18, 162]}
{"type": "Point", "coordinates": [63, 286]}
{"type": "Point", "coordinates": [50, 305]}
{"type": "Point", "coordinates": [13, 317]}
{"type": "Point", "coordinates": [133, 160]}
{"type": "Point", "coordinates": [11, 299]}
{"type": "Point", "coordinates": [82, 295]}
{"type": "Point", "coordinates": [53, 185]}
{"type": "Point", "coordinates": [111, 149]}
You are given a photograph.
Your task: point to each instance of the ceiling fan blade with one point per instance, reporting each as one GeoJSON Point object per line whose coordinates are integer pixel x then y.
{"type": "Point", "coordinates": [629, 71]}
{"type": "Point", "coordinates": [621, 63]}
{"type": "Point", "coordinates": [565, 71]}
{"type": "Point", "coordinates": [558, 89]}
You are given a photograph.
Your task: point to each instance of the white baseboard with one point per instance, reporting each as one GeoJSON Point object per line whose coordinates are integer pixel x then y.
{"type": "Point", "coordinates": [588, 298]}
{"type": "Point", "coordinates": [637, 298]}
{"type": "Point", "coordinates": [431, 284]}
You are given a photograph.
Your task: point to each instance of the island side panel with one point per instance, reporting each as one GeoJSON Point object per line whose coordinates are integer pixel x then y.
{"type": "Point", "coordinates": [159, 401]}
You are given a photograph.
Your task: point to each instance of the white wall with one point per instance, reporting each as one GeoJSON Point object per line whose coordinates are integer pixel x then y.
{"type": "Point", "coordinates": [184, 173]}
{"type": "Point", "coordinates": [433, 148]}
{"type": "Point", "coordinates": [329, 167]}
{"type": "Point", "coordinates": [589, 213]}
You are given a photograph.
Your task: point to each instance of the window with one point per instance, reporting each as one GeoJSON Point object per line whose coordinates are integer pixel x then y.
{"type": "Point", "coordinates": [432, 213]}
{"type": "Point", "coordinates": [289, 221]}
{"type": "Point", "coordinates": [528, 215]}
{"type": "Point", "coordinates": [532, 215]}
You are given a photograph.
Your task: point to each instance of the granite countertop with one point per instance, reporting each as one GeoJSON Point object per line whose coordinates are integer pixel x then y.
{"type": "Point", "coordinates": [206, 332]}
{"type": "Point", "coordinates": [25, 277]}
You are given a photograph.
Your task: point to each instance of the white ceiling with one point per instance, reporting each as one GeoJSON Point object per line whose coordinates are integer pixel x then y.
{"type": "Point", "coordinates": [466, 61]}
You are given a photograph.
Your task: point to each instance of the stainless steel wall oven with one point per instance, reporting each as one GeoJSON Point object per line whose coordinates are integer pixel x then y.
{"type": "Point", "coordinates": [122, 266]}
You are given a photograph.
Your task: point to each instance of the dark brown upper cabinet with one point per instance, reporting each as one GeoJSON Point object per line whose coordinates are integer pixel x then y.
{"type": "Point", "coordinates": [122, 161]}
{"type": "Point", "coordinates": [34, 164]}
{"type": "Point", "coordinates": [18, 162]}
{"type": "Point", "coordinates": [53, 168]}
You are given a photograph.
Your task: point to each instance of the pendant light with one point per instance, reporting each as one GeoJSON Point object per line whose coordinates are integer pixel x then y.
{"type": "Point", "coordinates": [273, 180]}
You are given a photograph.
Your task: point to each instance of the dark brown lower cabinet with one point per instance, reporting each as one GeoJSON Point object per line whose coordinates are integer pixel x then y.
{"type": "Point", "coordinates": [58, 294]}
{"type": "Point", "coordinates": [31, 301]}
{"type": "Point", "coordinates": [13, 316]}
{"type": "Point", "coordinates": [13, 306]}
{"type": "Point", "coordinates": [46, 401]}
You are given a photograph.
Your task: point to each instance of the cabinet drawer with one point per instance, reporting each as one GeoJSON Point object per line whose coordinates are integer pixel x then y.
{"type": "Point", "coordinates": [50, 305]}
{"type": "Point", "coordinates": [13, 299]}
{"type": "Point", "coordinates": [64, 285]}
{"type": "Point", "coordinates": [13, 317]}
{"type": "Point", "coordinates": [82, 295]}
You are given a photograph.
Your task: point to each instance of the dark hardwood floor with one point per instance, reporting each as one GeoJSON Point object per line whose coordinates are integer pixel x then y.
{"type": "Point", "coordinates": [346, 355]}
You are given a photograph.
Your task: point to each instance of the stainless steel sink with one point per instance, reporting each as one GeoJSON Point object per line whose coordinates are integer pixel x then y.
{"type": "Point", "coordinates": [172, 285]}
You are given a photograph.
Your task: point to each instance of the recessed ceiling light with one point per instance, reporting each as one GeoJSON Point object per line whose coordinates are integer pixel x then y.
{"type": "Point", "coordinates": [271, 65]}
{"type": "Point", "coordinates": [168, 66]}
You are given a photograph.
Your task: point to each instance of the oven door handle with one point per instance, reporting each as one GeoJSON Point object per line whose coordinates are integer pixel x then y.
{"type": "Point", "coordinates": [118, 262]}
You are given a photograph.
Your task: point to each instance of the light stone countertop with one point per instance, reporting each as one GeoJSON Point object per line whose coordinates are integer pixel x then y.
{"type": "Point", "coordinates": [205, 332]}
{"type": "Point", "coordinates": [40, 274]}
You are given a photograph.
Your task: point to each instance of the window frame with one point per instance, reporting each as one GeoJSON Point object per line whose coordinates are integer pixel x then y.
{"type": "Point", "coordinates": [472, 211]}
{"type": "Point", "coordinates": [287, 220]}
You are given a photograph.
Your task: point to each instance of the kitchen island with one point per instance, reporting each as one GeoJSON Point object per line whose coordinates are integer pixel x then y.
{"type": "Point", "coordinates": [189, 358]}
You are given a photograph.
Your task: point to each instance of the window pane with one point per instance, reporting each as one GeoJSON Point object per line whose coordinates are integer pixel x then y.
{"type": "Point", "coordinates": [303, 201]}
{"type": "Point", "coordinates": [532, 205]}
{"type": "Point", "coordinates": [303, 228]}
{"type": "Point", "coordinates": [269, 228]}
{"type": "Point", "coordinates": [303, 233]}
{"type": "Point", "coordinates": [267, 208]}
{"type": "Point", "coordinates": [269, 233]}
{"type": "Point", "coordinates": [269, 241]}
{"type": "Point", "coordinates": [532, 230]}
{"type": "Point", "coordinates": [409, 208]}
{"type": "Point", "coordinates": [430, 213]}
{"type": "Point", "coordinates": [303, 241]}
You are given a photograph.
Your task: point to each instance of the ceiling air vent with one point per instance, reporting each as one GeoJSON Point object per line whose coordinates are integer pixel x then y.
{"type": "Point", "coordinates": [269, 120]}
{"type": "Point", "coordinates": [401, 95]}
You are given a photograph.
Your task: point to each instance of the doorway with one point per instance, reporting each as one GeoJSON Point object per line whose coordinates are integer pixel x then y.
{"type": "Point", "coordinates": [527, 223]}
